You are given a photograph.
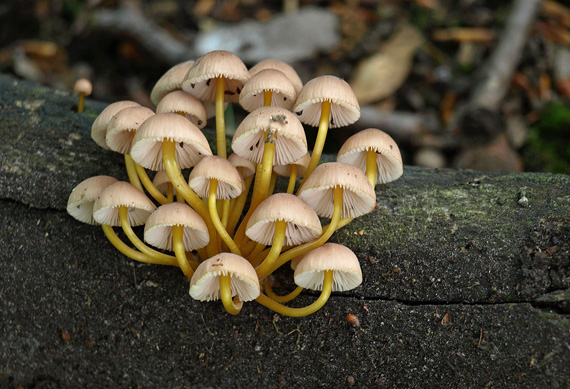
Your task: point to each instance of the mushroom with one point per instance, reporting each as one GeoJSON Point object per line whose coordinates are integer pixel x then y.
{"type": "Point", "coordinates": [99, 126]}
{"type": "Point", "coordinates": [162, 183]}
{"type": "Point", "coordinates": [282, 219]}
{"type": "Point", "coordinates": [375, 153]}
{"type": "Point", "coordinates": [268, 136]}
{"type": "Point", "coordinates": [326, 102]}
{"type": "Point", "coordinates": [167, 141]}
{"type": "Point", "coordinates": [331, 267]}
{"type": "Point", "coordinates": [177, 227]}
{"type": "Point", "coordinates": [121, 204]}
{"type": "Point", "coordinates": [268, 87]}
{"type": "Point", "coordinates": [334, 190]}
{"type": "Point", "coordinates": [216, 178]}
{"type": "Point", "coordinates": [170, 81]}
{"type": "Point", "coordinates": [80, 206]}
{"type": "Point", "coordinates": [223, 276]}
{"type": "Point", "coordinates": [246, 169]}
{"type": "Point", "coordinates": [282, 67]}
{"type": "Point", "coordinates": [83, 88]}
{"type": "Point", "coordinates": [120, 133]}
{"type": "Point", "coordinates": [293, 170]}
{"type": "Point", "coordinates": [184, 104]}
{"type": "Point", "coordinates": [217, 76]}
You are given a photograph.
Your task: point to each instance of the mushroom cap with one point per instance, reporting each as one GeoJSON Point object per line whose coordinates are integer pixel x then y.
{"type": "Point", "coordinates": [344, 105]}
{"type": "Point", "coordinates": [191, 144]}
{"type": "Point", "coordinates": [99, 126]}
{"type": "Point", "coordinates": [249, 139]}
{"type": "Point", "coordinates": [347, 274]}
{"type": "Point", "coordinates": [170, 81]}
{"type": "Point", "coordinates": [205, 284]}
{"type": "Point", "coordinates": [283, 92]}
{"type": "Point", "coordinates": [230, 183]}
{"type": "Point", "coordinates": [303, 224]}
{"type": "Point", "coordinates": [179, 101]}
{"type": "Point", "coordinates": [83, 197]}
{"type": "Point", "coordinates": [200, 81]}
{"type": "Point", "coordinates": [158, 227]}
{"type": "Point", "coordinates": [161, 180]}
{"type": "Point", "coordinates": [84, 86]}
{"type": "Point", "coordinates": [285, 170]}
{"type": "Point", "coordinates": [122, 194]}
{"type": "Point", "coordinates": [123, 126]}
{"type": "Point", "coordinates": [359, 197]}
{"type": "Point", "coordinates": [388, 161]}
{"type": "Point", "coordinates": [248, 167]}
{"type": "Point", "coordinates": [283, 67]}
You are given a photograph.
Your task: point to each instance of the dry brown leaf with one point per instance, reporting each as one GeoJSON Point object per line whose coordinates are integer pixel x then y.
{"type": "Point", "coordinates": [557, 11]}
{"type": "Point", "coordinates": [381, 74]}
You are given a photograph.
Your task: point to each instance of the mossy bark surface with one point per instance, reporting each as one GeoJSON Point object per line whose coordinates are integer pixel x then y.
{"type": "Point", "coordinates": [466, 280]}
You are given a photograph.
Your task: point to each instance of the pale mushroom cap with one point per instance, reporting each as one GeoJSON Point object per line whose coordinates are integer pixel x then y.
{"type": "Point", "coordinates": [170, 81]}
{"type": "Point", "coordinates": [303, 224]}
{"type": "Point", "coordinates": [84, 86]}
{"type": "Point", "coordinates": [83, 197]}
{"type": "Point", "coordinates": [248, 168]}
{"type": "Point", "coordinates": [106, 208]}
{"type": "Point", "coordinates": [283, 92]}
{"type": "Point", "coordinates": [161, 180]}
{"type": "Point", "coordinates": [347, 274]}
{"type": "Point", "coordinates": [230, 183]}
{"type": "Point", "coordinates": [200, 81]}
{"type": "Point", "coordinates": [359, 197]}
{"type": "Point", "coordinates": [344, 105]}
{"type": "Point", "coordinates": [205, 284]}
{"type": "Point", "coordinates": [99, 126]}
{"type": "Point", "coordinates": [249, 139]}
{"type": "Point", "coordinates": [123, 127]}
{"type": "Point", "coordinates": [158, 227]}
{"type": "Point", "coordinates": [302, 163]}
{"type": "Point", "coordinates": [388, 161]}
{"type": "Point", "coordinates": [181, 102]}
{"type": "Point", "coordinates": [191, 144]}
{"type": "Point", "coordinates": [283, 67]}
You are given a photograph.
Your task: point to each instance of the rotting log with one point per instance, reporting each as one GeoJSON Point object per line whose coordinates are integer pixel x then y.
{"type": "Point", "coordinates": [466, 280]}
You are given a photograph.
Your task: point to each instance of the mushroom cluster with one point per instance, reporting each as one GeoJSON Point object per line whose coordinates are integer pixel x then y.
{"type": "Point", "coordinates": [199, 222]}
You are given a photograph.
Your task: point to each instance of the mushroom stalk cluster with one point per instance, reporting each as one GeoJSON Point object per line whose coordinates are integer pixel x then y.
{"type": "Point", "coordinates": [200, 222]}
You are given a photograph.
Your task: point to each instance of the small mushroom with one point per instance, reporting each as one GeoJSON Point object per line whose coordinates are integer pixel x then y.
{"type": "Point", "coordinates": [82, 87]}
{"type": "Point", "coordinates": [223, 276]}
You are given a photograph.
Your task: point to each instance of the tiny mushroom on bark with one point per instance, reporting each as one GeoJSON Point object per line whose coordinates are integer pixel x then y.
{"type": "Point", "coordinates": [269, 87]}
{"type": "Point", "coordinates": [82, 87]}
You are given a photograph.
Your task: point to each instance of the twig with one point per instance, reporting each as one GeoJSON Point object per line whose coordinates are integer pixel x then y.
{"type": "Point", "coordinates": [128, 19]}
{"type": "Point", "coordinates": [498, 72]}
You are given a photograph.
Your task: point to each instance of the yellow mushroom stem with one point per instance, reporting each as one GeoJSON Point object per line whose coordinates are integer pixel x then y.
{"type": "Point", "coordinates": [149, 186]}
{"type": "Point", "coordinates": [267, 96]}
{"type": "Point", "coordinates": [281, 299]}
{"type": "Point", "coordinates": [278, 239]}
{"type": "Point", "coordinates": [130, 252]}
{"type": "Point", "coordinates": [169, 192]}
{"type": "Point", "coordinates": [305, 311]}
{"type": "Point", "coordinates": [183, 190]}
{"type": "Point", "coordinates": [225, 212]}
{"type": "Point", "coordinates": [319, 142]}
{"type": "Point", "coordinates": [220, 118]}
{"type": "Point", "coordinates": [81, 102]}
{"type": "Point", "coordinates": [272, 184]}
{"type": "Point", "coordinates": [306, 247]}
{"type": "Point", "coordinates": [252, 257]}
{"type": "Point", "coordinates": [261, 184]}
{"type": "Point", "coordinates": [132, 172]}
{"type": "Point", "coordinates": [292, 178]}
{"type": "Point", "coordinates": [161, 258]}
{"type": "Point", "coordinates": [238, 205]}
{"type": "Point", "coordinates": [371, 166]}
{"type": "Point", "coordinates": [185, 265]}
{"type": "Point", "coordinates": [231, 306]}
{"type": "Point", "coordinates": [216, 219]}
